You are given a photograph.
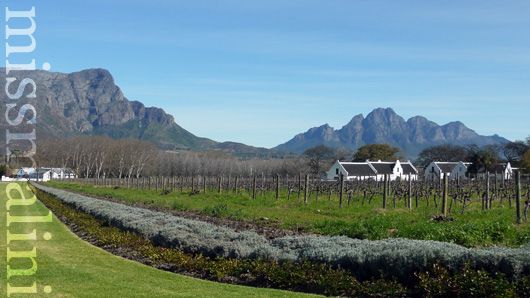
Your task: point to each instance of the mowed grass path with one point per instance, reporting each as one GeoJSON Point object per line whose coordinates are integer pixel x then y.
{"type": "Point", "coordinates": [74, 268]}
{"type": "Point", "coordinates": [473, 228]}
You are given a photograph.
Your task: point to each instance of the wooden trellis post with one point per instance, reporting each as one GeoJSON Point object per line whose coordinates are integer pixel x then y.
{"type": "Point", "coordinates": [341, 189]}
{"type": "Point", "coordinates": [181, 184]}
{"type": "Point", "coordinates": [277, 186]}
{"type": "Point", "coordinates": [393, 194]}
{"type": "Point", "coordinates": [317, 190]}
{"type": "Point", "coordinates": [254, 187]}
{"type": "Point", "coordinates": [495, 186]}
{"type": "Point", "coordinates": [262, 188]}
{"type": "Point", "coordinates": [409, 194]}
{"type": "Point", "coordinates": [445, 194]}
{"type": "Point", "coordinates": [306, 187]}
{"type": "Point", "coordinates": [488, 195]}
{"type": "Point", "coordinates": [518, 196]}
{"type": "Point", "coordinates": [385, 190]}
{"type": "Point", "coordinates": [299, 185]}
{"type": "Point", "coordinates": [287, 185]}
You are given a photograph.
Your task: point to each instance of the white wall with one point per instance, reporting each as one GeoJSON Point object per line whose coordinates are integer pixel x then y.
{"type": "Point", "coordinates": [332, 173]}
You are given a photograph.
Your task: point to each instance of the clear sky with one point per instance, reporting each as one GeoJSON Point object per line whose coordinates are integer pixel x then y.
{"type": "Point", "coordinates": [259, 72]}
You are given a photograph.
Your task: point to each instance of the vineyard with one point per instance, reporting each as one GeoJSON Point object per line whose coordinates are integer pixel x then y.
{"type": "Point", "coordinates": [187, 225]}
{"type": "Point", "coordinates": [449, 195]}
{"type": "Point", "coordinates": [467, 212]}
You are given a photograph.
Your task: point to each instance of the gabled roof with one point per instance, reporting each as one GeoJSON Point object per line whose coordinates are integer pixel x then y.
{"type": "Point", "coordinates": [372, 168]}
{"type": "Point", "coordinates": [383, 168]}
{"type": "Point", "coordinates": [498, 168]}
{"type": "Point", "coordinates": [58, 170]}
{"type": "Point", "coordinates": [38, 173]}
{"type": "Point", "coordinates": [408, 168]}
{"type": "Point", "coordinates": [358, 169]}
{"type": "Point", "coordinates": [448, 166]}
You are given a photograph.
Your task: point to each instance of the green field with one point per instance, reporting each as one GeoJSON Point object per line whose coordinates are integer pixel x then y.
{"type": "Point", "coordinates": [74, 268]}
{"type": "Point", "coordinates": [473, 228]}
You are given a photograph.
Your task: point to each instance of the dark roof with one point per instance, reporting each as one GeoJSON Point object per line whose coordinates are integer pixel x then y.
{"type": "Point", "coordinates": [383, 168]}
{"type": "Point", "coordinates": [498, 168]}
{"type": "Point", "coordinates": [447, 167]}
{"type": "Point", "coordinates": [408, 169]}
{"type": "Point", "coordinates": [37, 174]}
{"type": "Point", "coordinates": [358, 169]}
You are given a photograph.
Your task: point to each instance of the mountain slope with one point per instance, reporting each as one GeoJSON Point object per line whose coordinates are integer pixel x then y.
{"type": "Point", "coordinates": [385, 126]}
{"type": "Point", "coordinates": [89, 102]}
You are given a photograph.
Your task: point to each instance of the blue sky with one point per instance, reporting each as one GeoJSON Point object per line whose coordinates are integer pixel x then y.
{"type": "Point", "coordinates": [259, 72]}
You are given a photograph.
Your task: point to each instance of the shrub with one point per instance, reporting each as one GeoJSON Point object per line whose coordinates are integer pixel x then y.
{"type": "Point", "coordinates": [300, 276]}
{"type": "Point", "coordinates": [395, 258]}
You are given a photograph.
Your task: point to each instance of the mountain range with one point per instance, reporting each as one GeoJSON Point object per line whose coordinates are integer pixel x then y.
{"type": "Point", "coordinates": [89, 102]}
{"type": "Point", "coordinates": [383, 125]}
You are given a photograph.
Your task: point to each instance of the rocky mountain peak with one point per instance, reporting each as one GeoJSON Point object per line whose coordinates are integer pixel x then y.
{"type": "Point", "coordinates": [89, 102]}
{"type": "Point", "coordinates": [384, 125]}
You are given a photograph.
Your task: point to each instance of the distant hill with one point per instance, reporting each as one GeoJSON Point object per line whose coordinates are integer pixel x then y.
{"type": "Point", "coordinates": [88, 102]}
{"type": "Point", "coordinates": [385, 126]}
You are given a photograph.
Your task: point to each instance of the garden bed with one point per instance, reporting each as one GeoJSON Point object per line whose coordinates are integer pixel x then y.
{"type": "Point", "coordinates": [398, 258]}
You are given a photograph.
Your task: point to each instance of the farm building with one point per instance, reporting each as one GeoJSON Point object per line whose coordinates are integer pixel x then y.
{"type": "Point", "coordinates": [351, 171]}
{"type": "Point", "coordinates": [43, 174]}
{"type": "Point", "coordinates": [40, 174]}
{"type": "Point", "coordinates": [374, 170]}
{"type": "Point", "coordinates": [395, 170]}
{"type": "Point", "coordinates": [503, 171]}
{"type": "Point", "coordinates": [436, 169]}
{"type": "Point", "coordinates": [62, 173]}
{"type": "Point", "coordinates": [24, 172]}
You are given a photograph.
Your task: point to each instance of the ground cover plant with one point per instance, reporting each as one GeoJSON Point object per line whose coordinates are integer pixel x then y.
{"type": "Point", "coordinates": [305, 276]}
{"type": "Point", "coordinates": [75, 268]}
{"type": "Point", "coordinates": [358, 218]}
{"type": "Point", "coordinates": [399, 257]}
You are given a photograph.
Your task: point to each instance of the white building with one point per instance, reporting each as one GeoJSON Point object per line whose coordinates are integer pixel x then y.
{"type": "Point", "coordinates": [375, 170]}
{"type": "Point", "coordinates": [436, 169]}
{"type": "Point", "coordinates": [62, 173]}
{"type": "Point", "coordinates": [396, 170]}
{"type": "Point", "coordinates": [42, 174]}
{"type": "Point", "coordinates": [351, 171]}
{"type": "Point", "coordinates": [24, 172]}
{"type": "Point", "coordinates": [503, 171]}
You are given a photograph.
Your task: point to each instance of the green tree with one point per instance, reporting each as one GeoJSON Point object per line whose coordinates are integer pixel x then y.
{"type": "Point", "coordinates": [483, 159]}
{"type": "Point", "coordinates": [4, 170]}
{"type": "Point", "coordinates": [445, 152]}
{"type": "Point", "coordinates": [376, 152]}
{"type": "Point", "coordinates": [315, 157]}
{"type": "Point", "coordinates": [525, 163]}
{"type": "Point", "coordinates": [514, 151]}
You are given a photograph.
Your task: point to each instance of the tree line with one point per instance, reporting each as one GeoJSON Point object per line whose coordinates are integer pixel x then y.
{"type": "Point", "coordinates": [483, 158]}
{"type": "Point", "coordinates": [101, 156]}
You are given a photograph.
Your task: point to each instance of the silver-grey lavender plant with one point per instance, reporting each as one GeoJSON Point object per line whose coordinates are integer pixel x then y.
{"type": "Point", "coordinates": [390, 257]}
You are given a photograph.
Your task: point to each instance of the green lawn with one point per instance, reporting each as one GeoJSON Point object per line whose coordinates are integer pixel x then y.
{"type": "Point", "coordinates": [367, 221]}
{"type": "Point", "coordinates": [74, 268]}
